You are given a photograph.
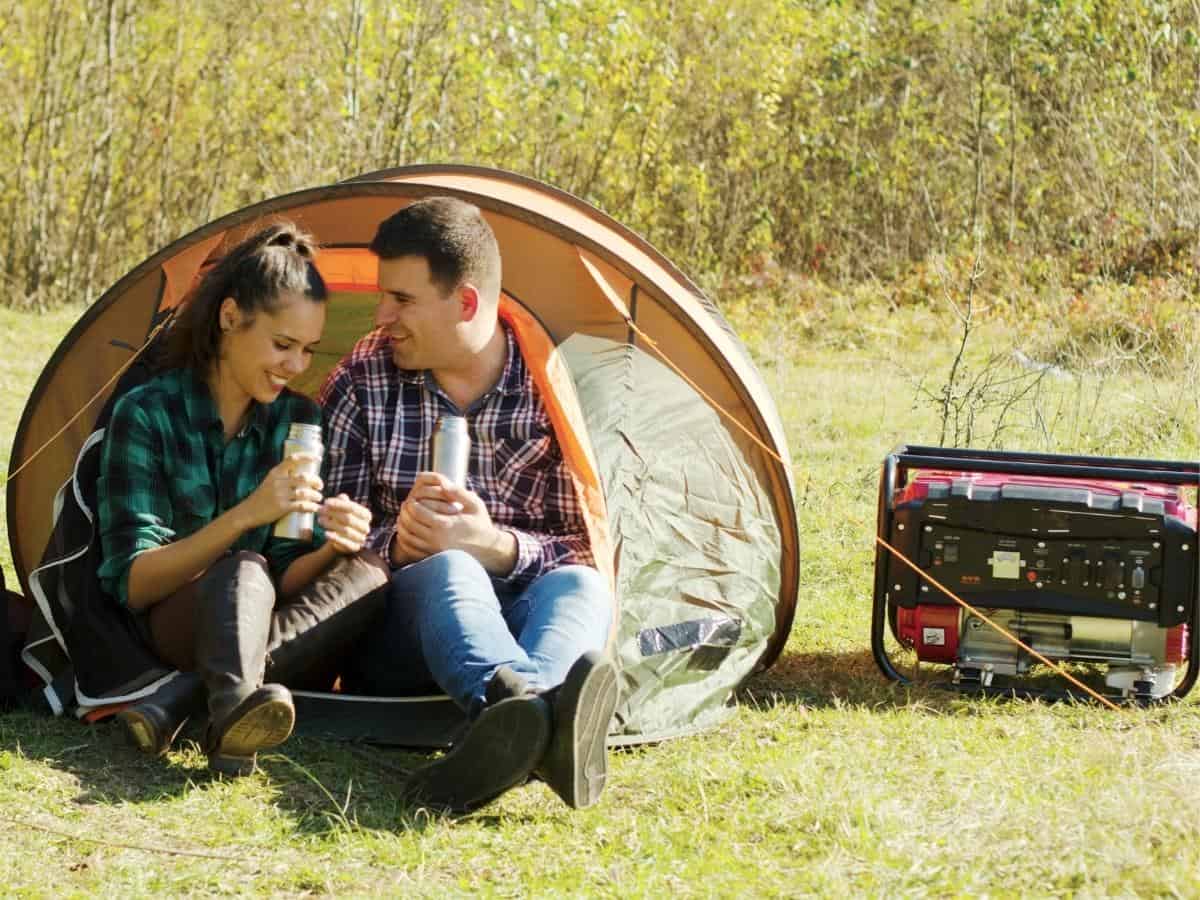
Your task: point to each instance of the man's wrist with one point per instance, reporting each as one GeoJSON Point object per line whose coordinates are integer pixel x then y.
{"type": "Point", "coordinates": [501, 553]}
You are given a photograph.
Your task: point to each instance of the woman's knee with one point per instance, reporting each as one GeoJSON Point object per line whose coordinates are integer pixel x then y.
{"type": "Point", "coordinates": [365, 571]}
{"type": "Point", "coordinates": [374, 561]}
{"type": "Point", "coordinates": [243, 564]}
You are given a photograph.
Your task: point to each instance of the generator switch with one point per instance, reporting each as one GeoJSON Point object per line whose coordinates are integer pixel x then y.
{"type": "Point", "coordinates": [1138, 579]}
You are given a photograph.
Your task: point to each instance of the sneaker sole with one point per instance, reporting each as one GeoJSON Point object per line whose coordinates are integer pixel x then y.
{"type": "Point", "coordinates": [578, 757]}
{"type": "Point", "coordinates": [498, 752]}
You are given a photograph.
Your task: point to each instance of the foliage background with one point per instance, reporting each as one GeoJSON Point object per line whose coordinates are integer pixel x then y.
{"type": "Point", "coordinates": [838, 140]}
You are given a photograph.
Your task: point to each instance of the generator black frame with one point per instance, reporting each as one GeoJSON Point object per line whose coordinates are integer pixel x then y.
{"type": "Point", "coordinates": [905, 459]}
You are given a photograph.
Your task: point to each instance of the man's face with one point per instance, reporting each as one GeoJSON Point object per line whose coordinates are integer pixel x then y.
{"type": "Point", "coordinates": [417, 315]}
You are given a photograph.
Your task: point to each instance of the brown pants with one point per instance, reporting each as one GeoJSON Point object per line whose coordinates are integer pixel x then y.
{"type": "Point", "coordinates": [342, 602]}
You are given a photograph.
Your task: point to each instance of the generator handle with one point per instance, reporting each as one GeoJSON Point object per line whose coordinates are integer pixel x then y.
{"type": "Point", "coordinates": [1193, 667]}
{"type": "Point", "coordinates": [1052, 464]}
{"type": "Point", "coordinates": [883, 524]}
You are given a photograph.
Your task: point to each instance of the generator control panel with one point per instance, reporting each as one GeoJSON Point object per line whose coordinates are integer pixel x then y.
{"type": "Point", "coordinates": [1020, 543]}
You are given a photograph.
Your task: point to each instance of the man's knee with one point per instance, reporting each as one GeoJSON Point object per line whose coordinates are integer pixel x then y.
{"type": "Point", "coordinates": [590, 593]}
{"type": "Point", "coordinates": [437, 572]}
{"type": "Point", "coordinates": [581, 580]}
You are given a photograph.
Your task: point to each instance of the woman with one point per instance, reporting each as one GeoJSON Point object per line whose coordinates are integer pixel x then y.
{"type": "Point", "coordinates": [191, 484]}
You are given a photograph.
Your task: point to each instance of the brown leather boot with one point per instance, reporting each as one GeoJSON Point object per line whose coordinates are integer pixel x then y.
{"type": "Point", "coordinates": [232, 624]}
{"type": "Point", "coordinates": [312, 631]}
{"type": "Point", "coordinates": [154, 722]}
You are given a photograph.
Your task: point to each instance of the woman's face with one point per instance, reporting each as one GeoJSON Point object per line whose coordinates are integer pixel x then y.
{"type": "Point", "coordinates": [260, 357]}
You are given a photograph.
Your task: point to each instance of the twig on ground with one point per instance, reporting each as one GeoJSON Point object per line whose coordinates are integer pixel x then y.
{"type": "Point", "coordinates": [199, 854]}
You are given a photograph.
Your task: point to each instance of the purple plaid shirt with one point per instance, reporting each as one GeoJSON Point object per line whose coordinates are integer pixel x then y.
{"type": "Point", "coordinates": [379, 421]}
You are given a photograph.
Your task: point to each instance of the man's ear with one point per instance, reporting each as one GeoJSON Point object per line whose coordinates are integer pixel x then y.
{"type": "Point", "coordinates": [468, 298]}
{"type": "Point", "coordinates": [229, 316]}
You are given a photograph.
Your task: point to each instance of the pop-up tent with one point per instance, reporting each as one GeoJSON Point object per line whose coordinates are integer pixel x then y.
{"type": "Point", "coordinates": [685, 439]}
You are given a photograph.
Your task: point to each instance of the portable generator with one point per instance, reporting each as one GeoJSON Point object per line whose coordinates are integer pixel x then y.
{"type": "Point", "coordinates": [1083, 559]}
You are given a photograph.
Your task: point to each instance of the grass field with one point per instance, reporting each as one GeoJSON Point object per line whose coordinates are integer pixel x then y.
{"type": "Point", "coordinates": [826, 779]}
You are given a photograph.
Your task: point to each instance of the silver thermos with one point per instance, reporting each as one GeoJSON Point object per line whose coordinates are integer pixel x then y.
{"type": "Point", "coordinates": [451, 449]}
{"type": "Point", "coordinates": [301, 438]}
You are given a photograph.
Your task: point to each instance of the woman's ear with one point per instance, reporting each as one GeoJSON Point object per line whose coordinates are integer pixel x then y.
{"type": "Point", "coordinates": [229, 317]}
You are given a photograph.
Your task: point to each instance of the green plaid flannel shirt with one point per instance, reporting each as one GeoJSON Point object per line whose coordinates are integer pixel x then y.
{"type": "Point", "coordinates": [166, 471]}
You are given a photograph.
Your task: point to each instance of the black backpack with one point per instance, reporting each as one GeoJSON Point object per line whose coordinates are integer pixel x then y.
{"type": "Point", "coordinates": [83, 646]}
{"type": "Point", "coordinates": [14, 622]}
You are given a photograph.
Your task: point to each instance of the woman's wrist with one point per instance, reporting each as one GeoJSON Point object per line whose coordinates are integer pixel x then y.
{"type": "Point", "coordinates": [242, 518]}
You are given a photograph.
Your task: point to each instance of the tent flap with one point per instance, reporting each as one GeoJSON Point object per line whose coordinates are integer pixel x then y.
{"type": "Point", "coordinates": [698, 565]}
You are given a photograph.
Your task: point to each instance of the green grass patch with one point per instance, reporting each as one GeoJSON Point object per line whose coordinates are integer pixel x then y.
{"type": "Point", "coordinates": [826, 780]}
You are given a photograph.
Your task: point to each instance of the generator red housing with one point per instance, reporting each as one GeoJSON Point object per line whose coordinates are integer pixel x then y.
{"type": "Point", "coordinates": [1085, 559]}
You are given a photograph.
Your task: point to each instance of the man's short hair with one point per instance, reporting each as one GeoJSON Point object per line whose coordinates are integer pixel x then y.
{"type": "Point", "coordinates": [451, 235]}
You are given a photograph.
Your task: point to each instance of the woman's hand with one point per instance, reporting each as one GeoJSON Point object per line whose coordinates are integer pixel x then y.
{"type": "Point", "coordinates": [288, 487]}
{"type": "Point", "coordinates": [346, 523]}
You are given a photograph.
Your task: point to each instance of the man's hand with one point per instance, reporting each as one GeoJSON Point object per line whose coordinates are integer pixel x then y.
{"type": "Point", "coordinates": [437, 515]}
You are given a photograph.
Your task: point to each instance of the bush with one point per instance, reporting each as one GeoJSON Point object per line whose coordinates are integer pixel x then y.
{"type": "Point", "coordinates": [845, 141]}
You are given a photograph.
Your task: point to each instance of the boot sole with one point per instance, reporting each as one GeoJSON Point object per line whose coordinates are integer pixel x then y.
{"type": "Point", "coordinates": [497, 753]}
{"type": "Point", "coordinates": [147, 734]}
{"type": "Point", "coordinates": [260, 727]}
{"type": "Point", "coordinates": [576, 765]}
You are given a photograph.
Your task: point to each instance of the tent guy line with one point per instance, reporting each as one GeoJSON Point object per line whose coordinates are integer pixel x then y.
{"type": "Point", "coordinates": [5, 479]}
{"type": "Point", "coordinates": [715, 405]}
{"type": "Point", "coordinates": [711, 402]}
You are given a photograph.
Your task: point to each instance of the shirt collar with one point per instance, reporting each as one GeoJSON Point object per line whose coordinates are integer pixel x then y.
{"type": "Point", "coordinates": [202, 409]}
{"type": "Point", "coordinates": [511, 381]}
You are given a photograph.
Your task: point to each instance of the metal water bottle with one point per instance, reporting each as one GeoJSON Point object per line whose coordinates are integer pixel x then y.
{"type": "Point", "coordinates": [302, 438]}
{"type": "Point", "coordinates": [451, 449]}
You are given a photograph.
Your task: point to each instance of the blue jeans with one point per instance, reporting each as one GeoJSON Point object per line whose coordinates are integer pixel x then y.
{"type": "Point", "coordinates": [447, 621]}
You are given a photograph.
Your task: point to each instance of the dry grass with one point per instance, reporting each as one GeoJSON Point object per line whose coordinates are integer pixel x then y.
{"type": "Point", "coordinates": [827, 780]}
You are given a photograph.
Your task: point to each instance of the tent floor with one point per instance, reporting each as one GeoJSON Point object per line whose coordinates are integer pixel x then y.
{"type": "Point", "coordinates": [424, 723]}
{"type": "Point", "coordinates": [431, 722]}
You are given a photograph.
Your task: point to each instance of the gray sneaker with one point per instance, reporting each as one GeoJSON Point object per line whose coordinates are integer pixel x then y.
{"type": "Point", "coordinates": [576, 762]}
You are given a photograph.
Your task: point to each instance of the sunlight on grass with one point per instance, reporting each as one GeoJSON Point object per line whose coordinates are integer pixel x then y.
{"type": "Point", "coordinates": [826, 780]}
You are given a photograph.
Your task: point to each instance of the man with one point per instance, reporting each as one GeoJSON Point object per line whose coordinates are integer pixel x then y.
{"type": "Point", "coordinates": [493, 593]}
